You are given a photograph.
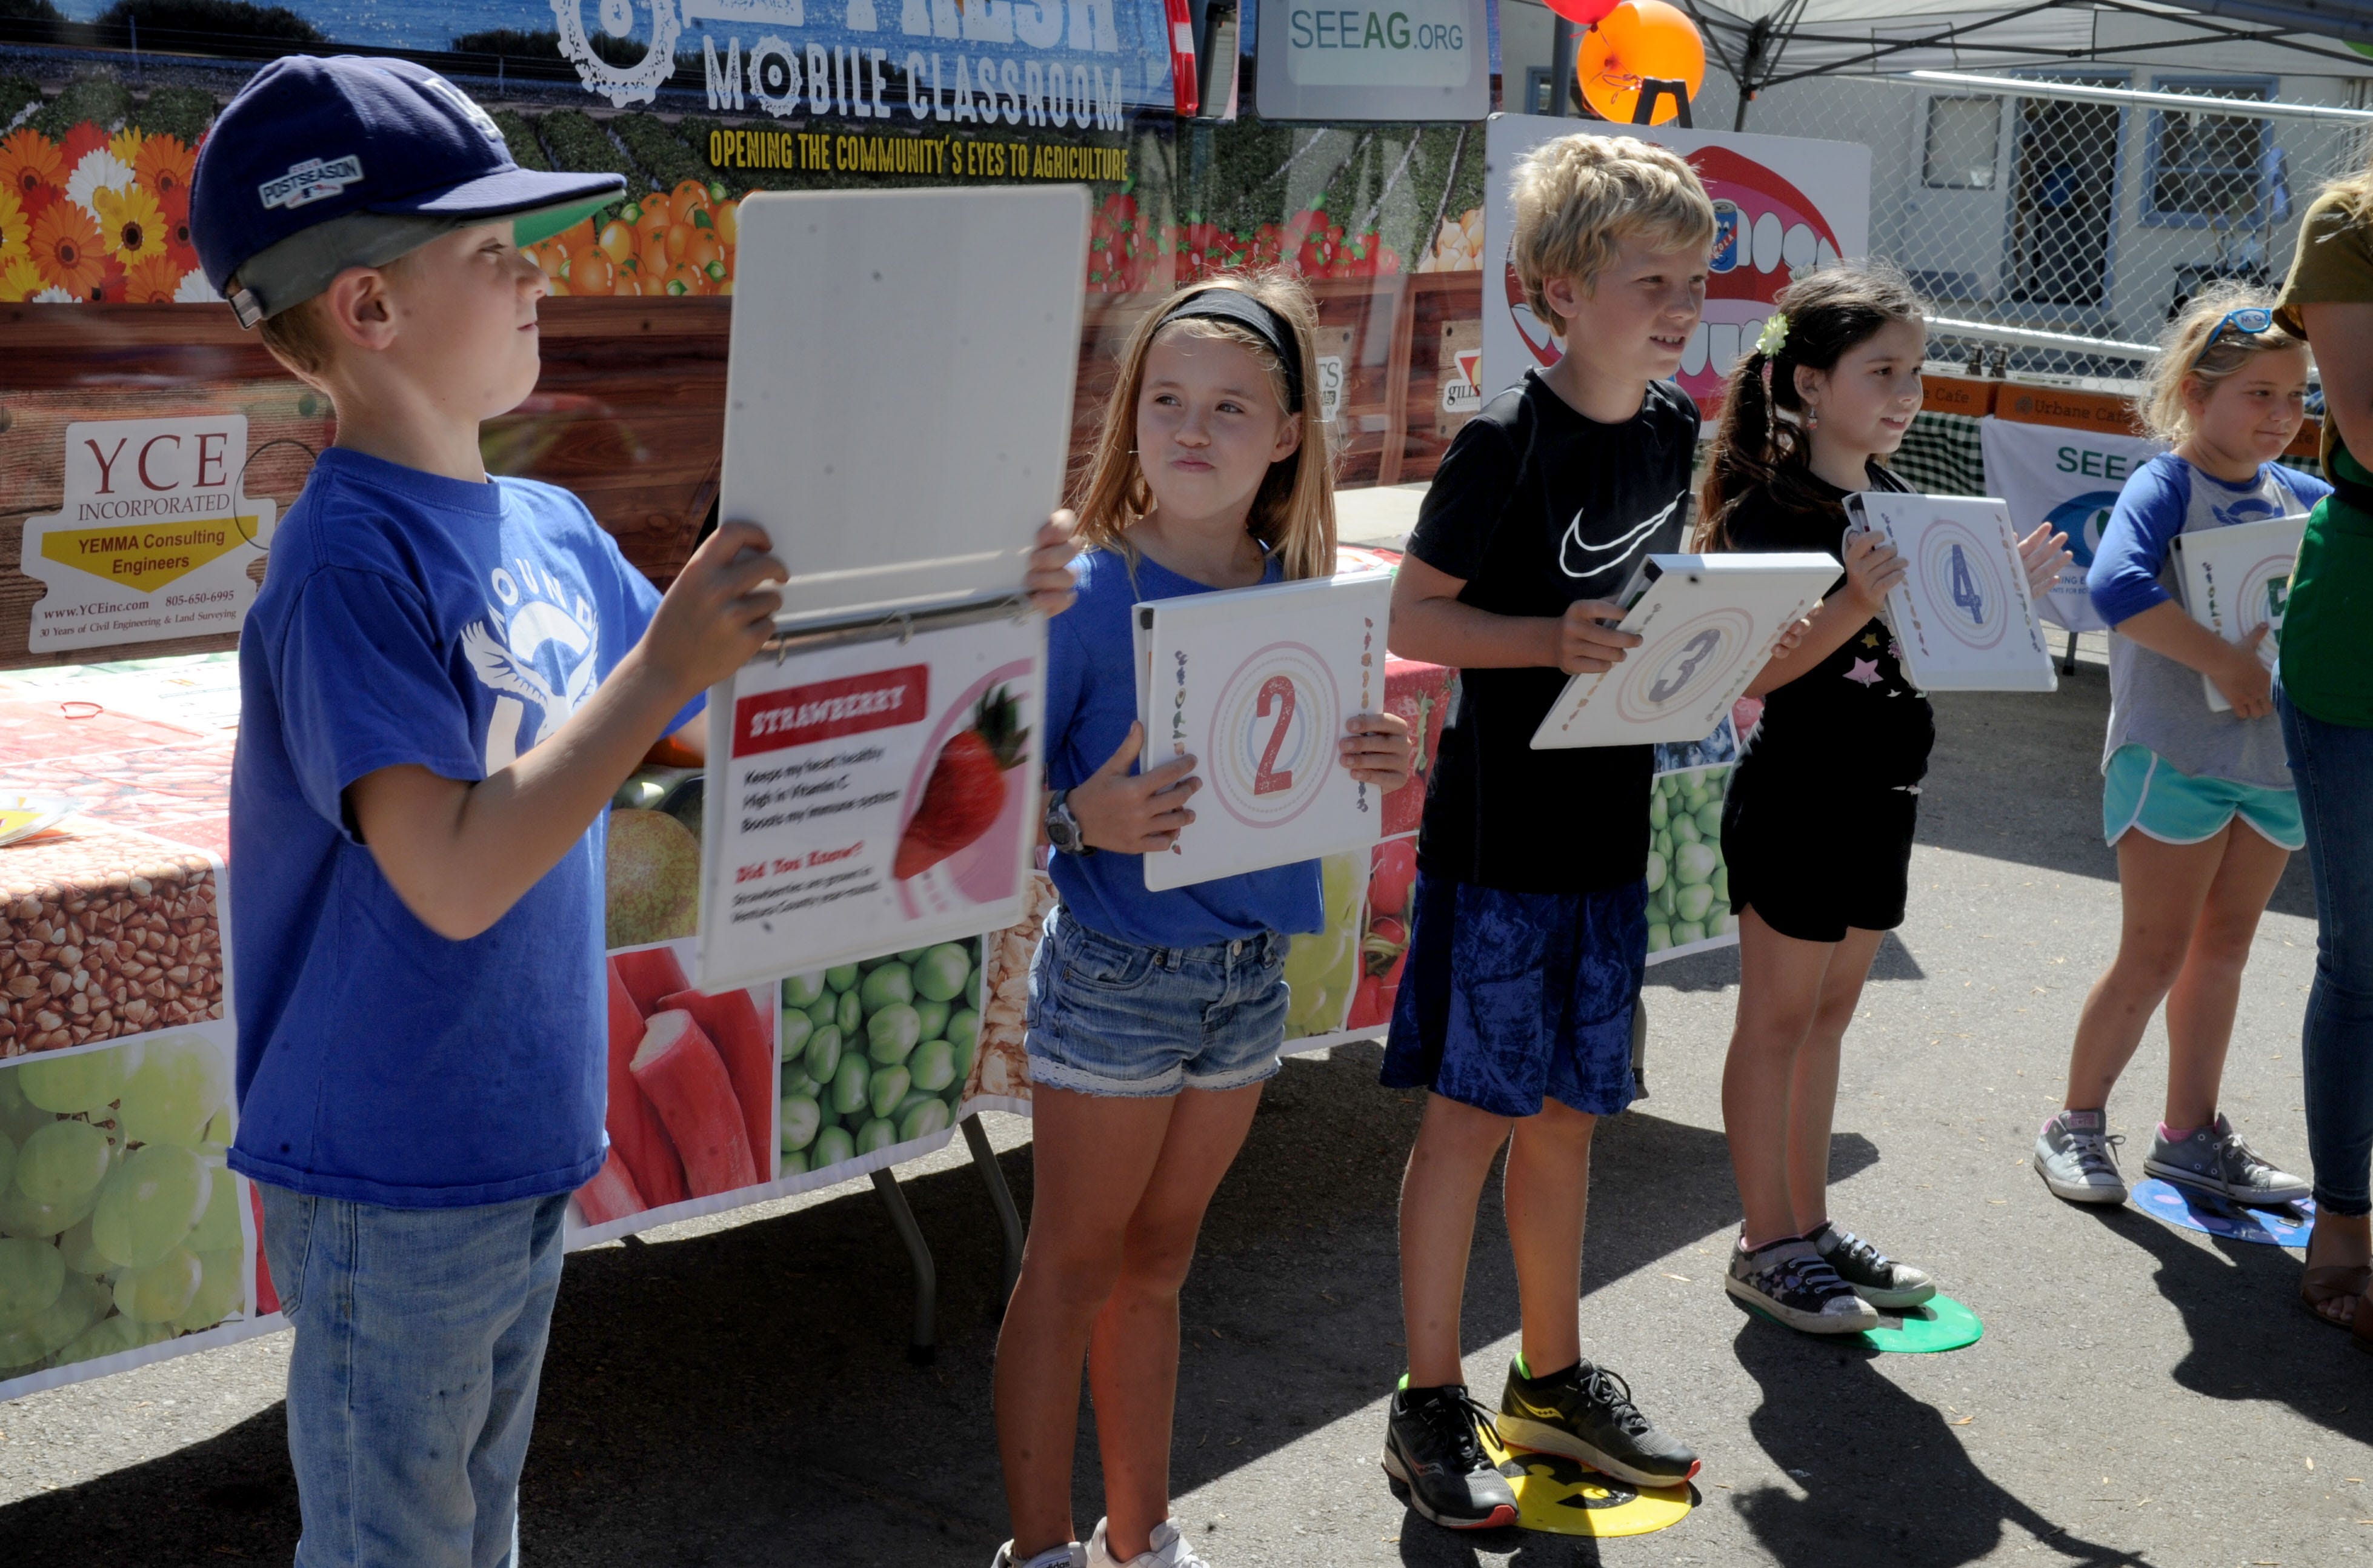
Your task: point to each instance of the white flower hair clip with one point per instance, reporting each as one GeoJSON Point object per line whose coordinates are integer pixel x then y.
{"type": "Point", "coordinates": [1774, 336]}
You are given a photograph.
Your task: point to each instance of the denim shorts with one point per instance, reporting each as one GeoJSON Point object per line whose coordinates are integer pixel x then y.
{"type": "Point", "coordinates": [1112, 1017]}
{"type": "Point", "coordinates": [1509, 997]}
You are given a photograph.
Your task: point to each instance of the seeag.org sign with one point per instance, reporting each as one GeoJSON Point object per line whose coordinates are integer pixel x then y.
{"type": "Point", "coordinates": [1389, 60]}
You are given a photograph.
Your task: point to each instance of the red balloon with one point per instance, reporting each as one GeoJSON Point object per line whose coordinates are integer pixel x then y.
{"type": "Point", "coordinates": [1583, 12]}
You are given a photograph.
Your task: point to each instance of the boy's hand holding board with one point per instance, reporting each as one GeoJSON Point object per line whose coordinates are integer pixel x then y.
{"type": "Point", "coordinates": [873, 769]}
{"type": "Point", "coordinates": [1695, 631]}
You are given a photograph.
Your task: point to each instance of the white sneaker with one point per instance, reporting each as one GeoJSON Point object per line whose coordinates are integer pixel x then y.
{"type": "Point", "coordinates": [1072, 1556]}
{"type": "Point", "coordinates": [1166, 1549]}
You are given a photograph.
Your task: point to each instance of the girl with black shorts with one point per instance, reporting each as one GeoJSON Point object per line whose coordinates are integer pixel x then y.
{"type": "Point", "coordinates": [1816, 832]}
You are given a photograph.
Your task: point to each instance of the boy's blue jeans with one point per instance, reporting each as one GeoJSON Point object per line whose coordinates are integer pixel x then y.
{"type": "Point", "coordinates": [2333, 766]}
{"type": "Point", "coordinates": [420, 1337]}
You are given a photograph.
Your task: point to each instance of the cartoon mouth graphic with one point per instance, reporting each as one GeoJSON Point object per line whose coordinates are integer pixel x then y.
{"type": "Point", "coordinates": [1766, 232]}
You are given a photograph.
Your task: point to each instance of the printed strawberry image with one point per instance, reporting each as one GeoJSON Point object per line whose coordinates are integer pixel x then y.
{"type": "Point", "coordinates": [966, 789]}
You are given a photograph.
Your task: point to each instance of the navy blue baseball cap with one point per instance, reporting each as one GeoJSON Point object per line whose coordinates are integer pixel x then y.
{"type": "Point", "coordinates": [320, 164]}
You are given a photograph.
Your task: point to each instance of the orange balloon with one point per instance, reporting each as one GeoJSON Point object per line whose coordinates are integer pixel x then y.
{"type": "Point", "coordinates": [1639, 39]}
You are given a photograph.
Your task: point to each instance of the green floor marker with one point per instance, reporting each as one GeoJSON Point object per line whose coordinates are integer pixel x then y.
{"type": "Point", "coordinates": [1941, 1324]}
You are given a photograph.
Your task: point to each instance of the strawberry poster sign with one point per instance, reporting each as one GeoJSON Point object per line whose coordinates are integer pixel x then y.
{"type": "Point", "coordinates": [869, 793]}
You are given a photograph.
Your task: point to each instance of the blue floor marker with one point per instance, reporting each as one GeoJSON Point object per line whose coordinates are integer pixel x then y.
{"type": "Point", "coordinates": [2198, 1211]}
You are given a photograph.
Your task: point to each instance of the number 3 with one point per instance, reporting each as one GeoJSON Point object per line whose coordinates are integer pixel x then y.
{"type": "Point", "coordinates": [1265, 780]}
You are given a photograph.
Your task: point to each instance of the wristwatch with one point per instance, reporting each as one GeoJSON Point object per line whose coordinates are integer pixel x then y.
{"type": "Point", "coordinates": [1062, 828]}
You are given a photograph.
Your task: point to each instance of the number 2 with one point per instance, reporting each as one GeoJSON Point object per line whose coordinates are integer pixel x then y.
{"type": "Point", "coordinates": [1265, 780]}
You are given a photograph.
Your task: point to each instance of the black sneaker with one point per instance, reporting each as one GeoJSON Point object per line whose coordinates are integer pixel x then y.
{"type": "Point", "coordinates": [1796, 1284]}
{"type": "Point", "coordinates": [1435, 1459]}
{"type": "Point", "coordinates": [1874, 1276]}
{"type": "Point", "coordinates": [1585, 1413]}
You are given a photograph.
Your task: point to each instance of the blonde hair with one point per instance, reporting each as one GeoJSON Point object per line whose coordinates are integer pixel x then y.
{"type": "Point", "coordinates": [1578, 196]}
{"type": "Point", "coordinates": [2186, 357]}
{"type": "Point", "coordinates": [1294, 512]}
{"type": "Point", "coordinates": [297, 337]}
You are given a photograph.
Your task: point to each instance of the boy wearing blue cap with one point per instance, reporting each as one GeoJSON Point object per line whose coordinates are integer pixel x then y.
{"type": "Point", "coordinates": [444, 679]}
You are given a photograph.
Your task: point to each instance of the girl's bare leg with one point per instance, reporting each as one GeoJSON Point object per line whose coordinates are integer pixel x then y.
{"type": "Point", "coordinates": [1779, 995]}
{"type": "Point", "coordinates": [1133, 1347]}
{"type": "Point", "coordinates": [1093, 1157]}
{"type": "Point", "coordinates": [2162, 887]}
{"type": "Point", "coordinates": [2207, 990]}
{"type": "Point", "coordinates": [1813, 1090]}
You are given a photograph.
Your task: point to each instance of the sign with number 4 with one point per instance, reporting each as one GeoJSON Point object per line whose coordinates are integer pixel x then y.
{"type": "Point", "coordinates": [1256, 683]}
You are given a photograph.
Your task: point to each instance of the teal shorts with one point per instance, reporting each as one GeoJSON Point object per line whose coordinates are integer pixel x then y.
{"type": "Point", "coordinates": [2141, 788]}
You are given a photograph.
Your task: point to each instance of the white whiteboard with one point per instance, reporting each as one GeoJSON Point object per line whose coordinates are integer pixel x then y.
{"type": "Point", "coordinates": [898, 400]}
{"type": "Point", "coordinates": [1964, 617]}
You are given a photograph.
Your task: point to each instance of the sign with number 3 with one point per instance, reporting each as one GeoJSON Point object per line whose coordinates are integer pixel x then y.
{"type": "Point", "coordinates": [1256, 685]}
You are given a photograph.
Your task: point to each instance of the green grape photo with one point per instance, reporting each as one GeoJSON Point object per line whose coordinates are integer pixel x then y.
{"type": "Point", "coordinates": [1688, 886]}
{"type": "Point", "coordinates": [120, 1223]}
{"type": "Point", "coordinates": [876, 1054]}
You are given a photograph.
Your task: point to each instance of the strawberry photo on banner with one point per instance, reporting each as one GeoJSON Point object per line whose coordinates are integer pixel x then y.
{"type": "Point", "coordinates": [871, 794]}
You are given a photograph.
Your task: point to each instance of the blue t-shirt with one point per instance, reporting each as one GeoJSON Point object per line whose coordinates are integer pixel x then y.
{"type": "Point", "coordinates": [410, 618]}
{"type": "Point", "coordinates": [2154, 700]}
{"type": "Point", "coordinates": [1091, 703]}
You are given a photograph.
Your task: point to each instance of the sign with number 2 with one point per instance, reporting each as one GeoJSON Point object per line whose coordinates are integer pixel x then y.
{"type": "Point", "coordinates": [1256, 684]}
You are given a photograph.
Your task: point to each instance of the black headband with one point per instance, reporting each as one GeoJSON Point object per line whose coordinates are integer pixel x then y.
{"type": "Point", "coordinates": [1225, 304]}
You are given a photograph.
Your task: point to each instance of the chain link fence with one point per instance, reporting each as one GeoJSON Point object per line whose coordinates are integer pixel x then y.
{"type": "Point", "coordinates": [2055, 224]}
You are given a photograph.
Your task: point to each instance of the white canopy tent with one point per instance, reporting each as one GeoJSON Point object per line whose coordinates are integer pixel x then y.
{"type": "Point", "coordinates": [1765, 43]}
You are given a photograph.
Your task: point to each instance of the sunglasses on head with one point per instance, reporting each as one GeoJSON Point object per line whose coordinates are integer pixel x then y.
{"type": "Point", "coordinates": [2250, 321]}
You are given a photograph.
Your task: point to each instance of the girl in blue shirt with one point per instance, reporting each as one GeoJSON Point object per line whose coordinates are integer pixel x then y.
{"type": "Point", "coordinates": [1154, 1017]}
{"type": "Point", "coordinates": [2198, 803]}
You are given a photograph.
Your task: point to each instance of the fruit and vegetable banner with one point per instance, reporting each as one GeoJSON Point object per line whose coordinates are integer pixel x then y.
{"type": "Point", "coordinates": [727, 1098]}
{"type": "Point", "coordinates": [124, 1237]}
{"type": "Point", "coordinates": [1688, 884]}
{"type": "Point", "coordinates": [869, 794]}
{"type": "Point", "coordinates": [1782, 206]}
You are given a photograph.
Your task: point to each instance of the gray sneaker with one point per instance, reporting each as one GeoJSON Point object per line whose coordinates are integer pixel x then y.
{"type": "Point", "coordinates": [2215, 1159]}
{"type": "Point", "coordinates": [2077, 1158]}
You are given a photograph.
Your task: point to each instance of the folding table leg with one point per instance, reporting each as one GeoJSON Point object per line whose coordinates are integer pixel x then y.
{"type": "Point", "coordinates": [984, 1160]}
{"type": "Point", "coordinates": [922, 1349]}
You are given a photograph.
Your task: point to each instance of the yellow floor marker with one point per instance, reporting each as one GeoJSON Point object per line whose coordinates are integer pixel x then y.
{"type": "Point", "coordinates": [1561, 1497]}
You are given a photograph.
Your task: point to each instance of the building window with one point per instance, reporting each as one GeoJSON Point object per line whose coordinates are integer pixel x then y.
{"type": "Point", "coordinates": [2208, 169]}
{"type": "Point", "coordinates": [1539, 92]}
{"type": "Point", "coordinates": [1963, 135]}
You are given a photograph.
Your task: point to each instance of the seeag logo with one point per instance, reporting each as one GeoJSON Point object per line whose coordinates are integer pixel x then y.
{"type": "Point", "coordinates": [2082, 517]}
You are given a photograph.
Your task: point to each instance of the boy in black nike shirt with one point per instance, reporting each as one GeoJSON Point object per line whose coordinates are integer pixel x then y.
{"type": "Point", "coordinates": [1531, 929]}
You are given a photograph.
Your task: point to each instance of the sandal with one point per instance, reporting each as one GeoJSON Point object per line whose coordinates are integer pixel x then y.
{"type": "Point", "coordinates": [2336, 1281]}
{"type": "Point", "coordinates": [2360, 1327]}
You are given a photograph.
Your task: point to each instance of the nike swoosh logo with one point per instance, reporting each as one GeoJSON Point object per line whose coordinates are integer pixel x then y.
{"type": "Point", "coordinates": [1613, 554]}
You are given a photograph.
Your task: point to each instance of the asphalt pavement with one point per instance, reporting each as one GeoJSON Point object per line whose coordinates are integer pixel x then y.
{"type": "Point", "coordinates": [734, 1391]}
